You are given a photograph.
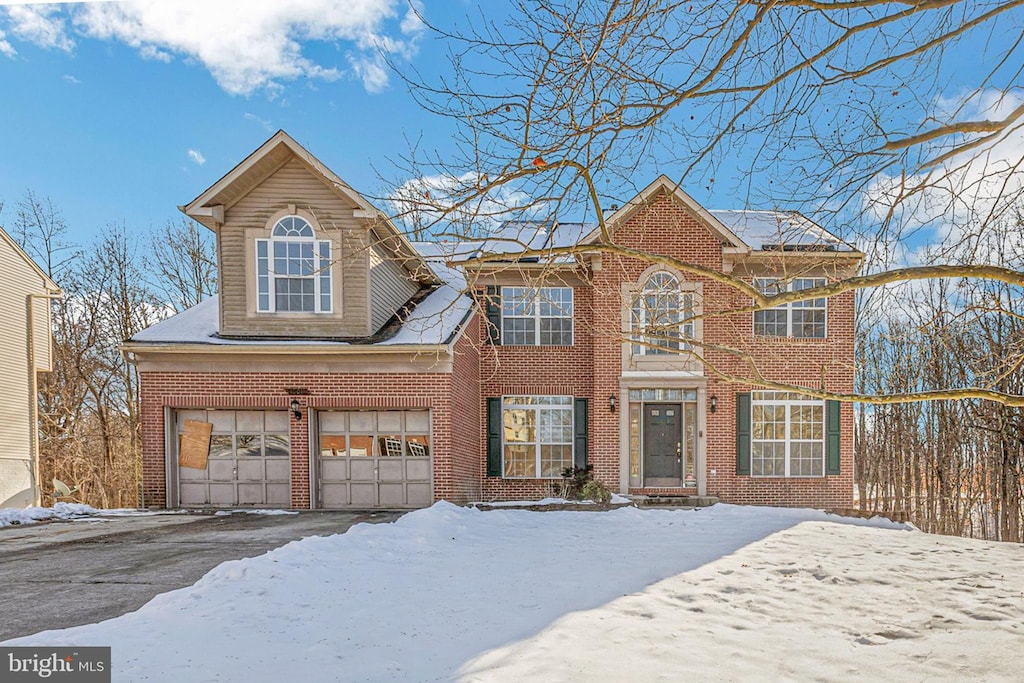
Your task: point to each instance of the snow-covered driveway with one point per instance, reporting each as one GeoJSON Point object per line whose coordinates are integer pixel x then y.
{"type": "Point", "coordinates": [448, 593]}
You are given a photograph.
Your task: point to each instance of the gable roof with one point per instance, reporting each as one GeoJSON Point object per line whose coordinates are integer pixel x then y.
{"type": "Point", "coordinates": [657, 186]}
{"type": "Point", "coordinates": [742, 231]}
{"type": "Point", "coordinates": [263, 162]}
{"type": "Point", "coordinates": [210, 206]}
{"type": "Point", "coordinates": [47, 282]}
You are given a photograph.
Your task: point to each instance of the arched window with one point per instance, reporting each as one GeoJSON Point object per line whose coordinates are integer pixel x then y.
{"type": "Point", "coordinates": [293, 269]}
{"type": "Point", "coordinates": [662, 316]}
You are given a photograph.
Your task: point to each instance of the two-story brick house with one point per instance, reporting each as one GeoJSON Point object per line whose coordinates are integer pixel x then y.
{"type": "Point", "coordinates": [343, 366]}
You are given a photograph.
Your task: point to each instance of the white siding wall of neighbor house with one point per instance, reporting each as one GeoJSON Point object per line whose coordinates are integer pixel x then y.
{"type": "Point", "coordinates": [390, 287]}
{"type": "Point", "coordinates": [17, 443]}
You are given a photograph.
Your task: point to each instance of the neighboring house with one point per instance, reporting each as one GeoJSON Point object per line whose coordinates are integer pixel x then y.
{"type": "Point", "coordinates": [343, 366]}
{"type": "Point", "coordinates": [25, 350]}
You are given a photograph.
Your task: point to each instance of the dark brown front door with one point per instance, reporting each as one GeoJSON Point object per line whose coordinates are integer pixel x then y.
{"type": "Point", "coordinates": [663, 436]}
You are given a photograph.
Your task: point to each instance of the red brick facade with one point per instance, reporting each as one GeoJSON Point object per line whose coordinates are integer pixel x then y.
{"type": "Point", "coordinates": [592, 367]}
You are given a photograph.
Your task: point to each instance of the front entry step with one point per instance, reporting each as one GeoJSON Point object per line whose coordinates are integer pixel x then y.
{"type": "Point", "coordinates": [674, 501]}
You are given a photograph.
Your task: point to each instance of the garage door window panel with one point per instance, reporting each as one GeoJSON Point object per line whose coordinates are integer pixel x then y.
{"type": "Point", "coordinates": [249, 445]}
{"type": "Point", "coordinates": [276, 445]}
{"type": "Point", "coordinates": [361, 446]}
{"type": "Point", "coordinates": [390, 446]}
{"type": "Point", "coordinates": [222, 446]}
{"type": "Point", "coordinates": [332, 446]}
{"type": "Point", "coordinates": [417, 446]}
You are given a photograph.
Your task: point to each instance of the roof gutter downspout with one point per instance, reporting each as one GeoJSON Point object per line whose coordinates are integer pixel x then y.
{"type": "Point", "coordinates": [33, 384]}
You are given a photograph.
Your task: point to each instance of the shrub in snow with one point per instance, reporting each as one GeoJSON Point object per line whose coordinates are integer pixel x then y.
{"type": "Point", "coordinates": [578, 483]}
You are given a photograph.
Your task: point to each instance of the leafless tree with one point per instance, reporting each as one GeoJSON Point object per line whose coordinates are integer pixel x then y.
{"type": "Point", "coordinates": [895, 124]}
{"type": "Point", "coordinates": [837, 106]}
{"type": "Point", "coordinates": [184, 264]}
{"type": "Point", "coordinates": [89, 422]}
{"type": "Point", "coordinates": [953, 466]}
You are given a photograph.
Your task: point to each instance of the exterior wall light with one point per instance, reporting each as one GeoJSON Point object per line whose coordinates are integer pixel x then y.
{"type": "Point", "coordinates": [612, 400]}
{"type": "Point", "coordinates": [714, 403]}
{"type": "Point", "coordinates": [296, 409]}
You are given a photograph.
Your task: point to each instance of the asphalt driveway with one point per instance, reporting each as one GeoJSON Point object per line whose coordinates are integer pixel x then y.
{"type": "Point", "coordinates": [65, 574]}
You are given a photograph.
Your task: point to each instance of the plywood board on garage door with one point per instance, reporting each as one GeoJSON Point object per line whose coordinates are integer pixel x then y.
{"type": "Point", "coordinates": [249, 461]}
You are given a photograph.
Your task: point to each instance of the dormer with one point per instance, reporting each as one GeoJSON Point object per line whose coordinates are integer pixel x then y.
{"type": "Point", "coordinates": [300, 254]}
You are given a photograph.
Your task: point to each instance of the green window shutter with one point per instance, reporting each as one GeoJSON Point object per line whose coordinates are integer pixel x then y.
{"type": "Point", "coordinates": [494, 437]}
{"type": "Point", "coordinates": [743, 434]}
{"type": "Point", "coordinates": [833, 410]}
{"type": "Point", "coordinates": [492, 307]}
{"type": "Point", "coordinates": [579, 450]}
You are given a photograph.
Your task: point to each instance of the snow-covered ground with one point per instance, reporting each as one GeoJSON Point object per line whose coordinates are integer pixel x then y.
{"type": "Point", "coordinates": [16, 516]}
{"type": "Point", "coordinates": [723, 593]}
{"type": "Point", "coordinates": [79, 512]}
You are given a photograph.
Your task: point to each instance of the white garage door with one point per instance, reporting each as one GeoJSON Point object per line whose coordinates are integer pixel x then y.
{"type": "Point", "coordinates": [249, 463]}
{"type": "Point", "coordinates": [375, 458]}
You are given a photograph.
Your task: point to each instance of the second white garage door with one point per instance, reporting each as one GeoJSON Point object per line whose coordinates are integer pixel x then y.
{"type": "Point", "coordinates": [375, 458]}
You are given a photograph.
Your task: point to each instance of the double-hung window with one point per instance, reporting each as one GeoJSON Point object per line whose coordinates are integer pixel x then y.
{"type": "Point", "coordinates": [293, 269]}
{"type": "Point", "coordinates": [662, 317]}
{"type": "Point", "coordinates": [537, 438]}
{"type": "Point", "coordinates": [787, 435]}
{"type": "Point", "coordinates": [801, 319]}
{"type": "Point", "coordinates": [536, 316]}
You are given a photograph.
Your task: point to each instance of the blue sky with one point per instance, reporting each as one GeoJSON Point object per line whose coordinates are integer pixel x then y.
{"type": "Point", "coordinates": [120, 112]}
{"type": "Point", "coordinates": [106, 131]}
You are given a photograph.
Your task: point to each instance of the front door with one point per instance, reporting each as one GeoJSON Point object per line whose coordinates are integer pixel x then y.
{"type": "Point", "coordinates": [663, 440]}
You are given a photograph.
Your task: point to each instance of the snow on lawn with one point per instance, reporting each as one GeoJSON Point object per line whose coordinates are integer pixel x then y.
{"type": "Point", "coordinates": [449, 593]}
{"type": "Point", "coordinates": [15, 516]}
{"type": "Point", "coordinates": [75, 512]}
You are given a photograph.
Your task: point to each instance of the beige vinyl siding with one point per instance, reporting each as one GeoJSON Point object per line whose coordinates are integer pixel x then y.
{"type": "Point", "coordinates": [16, 400]}
{"type": "Point", "coordinates": [42, 348]}
{"type": "Point", "coordinates": [390, 287]}
{"type": "Point", "coordinates": [294, 184]}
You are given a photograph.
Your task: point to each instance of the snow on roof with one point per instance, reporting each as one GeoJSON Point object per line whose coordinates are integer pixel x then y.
{"type": "Point", "coordinates": [434, 321]}
{"type": "Point", "coordinates": [778, 230]}
{"type": "Point", "coordinates": [760, 230]}
{"type": "Point", "coordinates": [512, 237]}
{"type": "Point", "coordinates": [437, 317]}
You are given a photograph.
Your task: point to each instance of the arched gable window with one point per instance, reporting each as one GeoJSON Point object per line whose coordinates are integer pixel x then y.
{"type": "Point", "coordinates": [661, 319]}
{"type": "Point", "coordinates": [293, 269]}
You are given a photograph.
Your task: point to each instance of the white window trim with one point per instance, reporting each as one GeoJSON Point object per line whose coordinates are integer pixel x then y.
{"type": "Point", "coordinates": [537, 317]}
{"type": "Point", "coordinates": [789, 307]}
{"type": "Point", "coordinates": [640, 345]}
{"type": "Point", "coordinates": [788, 403]}
{"type": "Point", "coordinates": [318, 244]}
{"type": "Point", "coordinates": [537, 443]}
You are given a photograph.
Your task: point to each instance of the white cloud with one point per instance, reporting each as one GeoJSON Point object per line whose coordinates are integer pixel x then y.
{"type": "Point", "coordinates": [42, 25]}
{"type": "Point", "coordinates": [370, 63]}
{"type": "Point", "coordinates": [5, 47]}
{"type": "Point", "coordinates": [967, 194]}
{"type": "Point", "coordinates": [248, 46]}
{"type": "Point", "coordinates": [426, 203]}
{"type": "Point", "coordinates": [197, 157]}
{"type": "Point", "coordinates": [71, 79]}
{"type": "Point", "coordinates": [264, 123]}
